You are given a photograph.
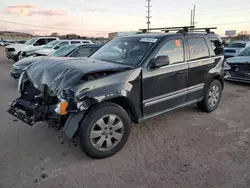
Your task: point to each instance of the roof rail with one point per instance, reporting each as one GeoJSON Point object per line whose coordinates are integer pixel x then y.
{"type": "Point", "coordinates": [183, 29]}
{"type": "Point", "coordinates": [206, 29]}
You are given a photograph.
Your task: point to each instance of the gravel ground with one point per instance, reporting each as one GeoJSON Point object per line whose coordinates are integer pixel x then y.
{"type": "Point", "coordinates": [184, 149]}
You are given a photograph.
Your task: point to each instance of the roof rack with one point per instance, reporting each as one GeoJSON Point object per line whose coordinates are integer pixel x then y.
{"type": "Point", "coordinates": [183, 29]}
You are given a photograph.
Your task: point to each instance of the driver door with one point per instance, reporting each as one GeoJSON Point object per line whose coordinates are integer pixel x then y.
{"type": "Point", "coordinates": [165, 88]}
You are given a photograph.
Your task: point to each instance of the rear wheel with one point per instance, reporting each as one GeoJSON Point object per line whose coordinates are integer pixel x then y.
{"type": "Point", "coordinates": [212, 97]}
{"type": "Point", "coordinates": [104, 131]}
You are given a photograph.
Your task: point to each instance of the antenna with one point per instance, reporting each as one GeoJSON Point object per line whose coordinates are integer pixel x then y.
{"type": "Point", "coordinates": [148, 14]}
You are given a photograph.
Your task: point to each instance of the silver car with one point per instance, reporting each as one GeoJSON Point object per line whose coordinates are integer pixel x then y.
{"type": "Point", "coordinates": [235, 48]}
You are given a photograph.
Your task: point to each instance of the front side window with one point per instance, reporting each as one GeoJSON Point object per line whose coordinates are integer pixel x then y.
{"type": "Point", "coordinates": [198, 48]}
{"type": "Point", "coordinates": [30, 41]}
{"type": "Point", "coordinates": [125, 50]}
{"type": "Point", "coordinates": [174, 50]}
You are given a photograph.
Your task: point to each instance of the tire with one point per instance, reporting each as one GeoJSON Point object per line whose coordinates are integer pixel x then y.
{"type": "Point", "coordinates": [90, 125]}
{"type": "Point", "coordinates": [206, 105]}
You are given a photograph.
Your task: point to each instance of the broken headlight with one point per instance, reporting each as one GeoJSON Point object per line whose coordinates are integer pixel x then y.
{"type": "Point", "coordinates": [67, 94]}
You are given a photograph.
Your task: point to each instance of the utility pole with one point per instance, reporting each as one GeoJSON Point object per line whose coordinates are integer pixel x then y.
{"type": "Point", "coordinates": [148, 14]}
{"type": "Point", "coordinates": [194, 16]}
{"type": "Point", "coordinates": [191, 21]}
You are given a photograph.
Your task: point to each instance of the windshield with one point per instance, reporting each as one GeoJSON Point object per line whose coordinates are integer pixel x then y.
{"type": "Point", "coordinates": [125, 50]}
{"type": "Point", "coordinates": [51, 44]}
{"type": "Point", "coordinates": [64, 51]}
{"type": "Point", "coordinates": [29, 42]}
{"type": "Point", "coordinates": [245, 52]}
{"type": "Point", "coordinates": [237, 45]}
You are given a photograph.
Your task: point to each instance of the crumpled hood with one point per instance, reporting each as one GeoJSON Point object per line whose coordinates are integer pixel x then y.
{"type": "Point", "coordinates": [239, 59]}
{"type": "Point", "coordinates": [26, 61]}
{"type": "Point", "coordinates": [59, 73]}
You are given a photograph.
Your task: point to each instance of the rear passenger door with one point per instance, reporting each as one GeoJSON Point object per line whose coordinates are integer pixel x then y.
{"type": "Point", "coordinates": [200, 62]}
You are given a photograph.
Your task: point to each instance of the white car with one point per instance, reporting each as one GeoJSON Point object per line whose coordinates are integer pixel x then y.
{"type": "Point", "coordinates": [14, 51]}
{"type": "Point", "coordinates": [51, 47]}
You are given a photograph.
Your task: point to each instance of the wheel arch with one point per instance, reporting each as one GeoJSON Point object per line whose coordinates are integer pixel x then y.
{"type": "Point", "coordinates": [127, 105]}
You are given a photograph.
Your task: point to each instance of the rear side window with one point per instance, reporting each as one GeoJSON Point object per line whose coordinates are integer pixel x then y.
{"type": "Point", "coordinates": [174, 50]}
{"type": "Point", "coordinates": [198, 48]}
{"type": "Point", "coordinates": [85, 42]}
{"type": "Point", "coordinates": [50, 39]}
{"type": "Point", "coordinates": [40, 42]}
{"type": "Point", "coordinates": [75, 42]}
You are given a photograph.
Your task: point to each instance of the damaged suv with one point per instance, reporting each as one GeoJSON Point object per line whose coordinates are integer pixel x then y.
{"type": "Point", "coordinates": [129, 79]}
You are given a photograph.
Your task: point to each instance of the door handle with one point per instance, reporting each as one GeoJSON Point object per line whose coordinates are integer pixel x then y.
{"type": "Point", "coordinates": [210, 65]}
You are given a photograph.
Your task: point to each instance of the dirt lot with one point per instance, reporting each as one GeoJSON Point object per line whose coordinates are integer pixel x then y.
{"type": "Point", "coordinates": [183, 149]}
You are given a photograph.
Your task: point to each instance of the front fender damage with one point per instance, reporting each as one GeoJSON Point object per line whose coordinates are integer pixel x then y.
{"type": "Point", "coordinates": [72, 124]}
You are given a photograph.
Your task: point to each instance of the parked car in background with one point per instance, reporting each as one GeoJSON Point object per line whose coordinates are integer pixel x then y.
{"type": "Point", "coordinates": [239, 67]}
{"type": "Point", "coordinates": [2, 42]}
{"type": "Point", "coordinates": [129, 79]}
{"type": "Point", "coordinates": [14, 51]}
{"type": "Point", "coordinates": [21, 41]}
{"type": "Point", "coordinates": [5, 42]}
{"type": "Point", "coordinates": [51, 47]}
{"type": "Point", "coordinates": [235, 48]}
{"type": "Point", "coordinates": [74, 50]}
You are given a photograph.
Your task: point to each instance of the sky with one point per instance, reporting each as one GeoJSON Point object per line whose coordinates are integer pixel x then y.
{"type": "Point", "coordinates": [100, 17]}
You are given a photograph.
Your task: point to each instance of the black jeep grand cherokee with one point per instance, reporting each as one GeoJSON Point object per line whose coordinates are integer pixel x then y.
{"type": "Point", "coordinates": [131, 78]}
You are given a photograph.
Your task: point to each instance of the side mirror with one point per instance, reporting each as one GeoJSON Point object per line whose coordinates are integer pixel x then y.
{"type": "Point", "coordinates": [57, 47]}
{"type": "Point", "coordinates": [159, 61]}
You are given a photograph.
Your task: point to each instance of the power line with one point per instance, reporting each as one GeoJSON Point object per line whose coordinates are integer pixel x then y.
{"type": "Point", "coordinates": [46, 27]}
{"type": "Point", "coordinates": [148, 13]}
{"type": "Point", "coordinates": [227, 23]}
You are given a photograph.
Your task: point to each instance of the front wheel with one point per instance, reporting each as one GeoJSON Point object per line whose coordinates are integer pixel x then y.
{"type": "Point", "coordinates": [104, 131]}
{"type": "Point", "coordinates": [212, 97]}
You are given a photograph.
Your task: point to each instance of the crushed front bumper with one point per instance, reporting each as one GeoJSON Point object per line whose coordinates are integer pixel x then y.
{"type": "Point", "coordinates": [23, 110]}
{"type": "Point", "coordinates": [237, 76]}
{"type": "Point", "coordinates": [31, 112]}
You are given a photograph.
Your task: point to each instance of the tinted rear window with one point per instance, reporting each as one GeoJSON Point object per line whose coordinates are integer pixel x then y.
{"type": "Point", "coordinates": [198, 48]}
{"type": "Point", "coordinates": [75, 42]}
